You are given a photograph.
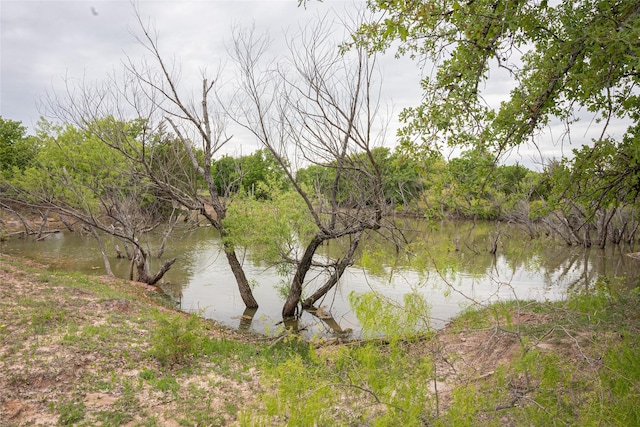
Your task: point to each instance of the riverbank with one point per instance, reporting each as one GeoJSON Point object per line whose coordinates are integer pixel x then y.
{"type": "Point", "coordinates": [79, 350]}
{"type": "Point", "coordinates": [88, 351]}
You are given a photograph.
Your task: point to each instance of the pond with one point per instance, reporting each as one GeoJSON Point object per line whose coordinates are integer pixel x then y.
{"type": "Point", "coordinates": [449, 264]}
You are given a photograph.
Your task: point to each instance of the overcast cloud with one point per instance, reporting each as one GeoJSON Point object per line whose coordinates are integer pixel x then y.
{"type": "Point", "coordinates": [44, 42]}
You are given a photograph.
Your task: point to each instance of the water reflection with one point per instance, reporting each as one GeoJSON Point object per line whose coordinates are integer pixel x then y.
{"type": "Point", "coordinates": [329, 321]}
{"type": "Point", "coordinates": [449, 263]}
{"type": "Point", "coordinates": [246, 319]}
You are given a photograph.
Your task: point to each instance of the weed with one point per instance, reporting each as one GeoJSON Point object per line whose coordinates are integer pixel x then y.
{"type": "Point", "coordinates": [227, 348]}
{"type": "Point", "coordinates": [317, 390]}
{"type": "Point", "coordinates": [620, 378]}
{"type": "Point", "coordinates": [70, 412]}
{"type": "Point", "coordinates": [46, 317]}
{"type": "Point", "coordinates": [103, 385]}
{"type": "Point", "coordinates": [148, 374]}
{"type": "Point", "coordinates": [203, 417]}
{"type": "Point", "coordinates": [113, 418]}
{"type": "Point", "coordinates": [381, 316]}
{"type": "Point", "coordinates": [176, 339]}
{"type": "Point", "coordinates": [127, 404]}
{"type": "Point", "coordinates": [166, 384]}
{"type": "Point", "coordinates": [44, 278]}
{"type": "Point", "coordinates": [248, 418]}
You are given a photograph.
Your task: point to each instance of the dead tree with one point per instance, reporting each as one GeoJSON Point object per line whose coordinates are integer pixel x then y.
{"type": "Point", "coordinates": [177, 140]}
{"type": "Point", "coordinates": [318, 107]}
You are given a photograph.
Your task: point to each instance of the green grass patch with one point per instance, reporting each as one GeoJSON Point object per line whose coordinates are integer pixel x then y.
{"type": "Point", "coordinates": [70, 412]}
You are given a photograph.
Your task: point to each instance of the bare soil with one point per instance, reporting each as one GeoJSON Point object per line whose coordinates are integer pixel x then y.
{"type": "Point", "coordinates": [42, 366]}
{"type": "Point", "coordinates": [56, 346]}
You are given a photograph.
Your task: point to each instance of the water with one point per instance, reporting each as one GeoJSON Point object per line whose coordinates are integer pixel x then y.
{"type": "Point", "coordinates": [449, 264]}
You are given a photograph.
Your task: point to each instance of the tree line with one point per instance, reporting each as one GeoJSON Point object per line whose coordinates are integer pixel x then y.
{"type": "Point", "coordinates": [72, 173]}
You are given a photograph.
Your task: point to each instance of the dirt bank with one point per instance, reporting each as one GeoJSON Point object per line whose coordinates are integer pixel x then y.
{"type": "Point", "coordinates": [78, 350]}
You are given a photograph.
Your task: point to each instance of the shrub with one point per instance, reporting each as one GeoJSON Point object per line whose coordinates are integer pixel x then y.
{"type": "Point", "coordinates": [176, 339]}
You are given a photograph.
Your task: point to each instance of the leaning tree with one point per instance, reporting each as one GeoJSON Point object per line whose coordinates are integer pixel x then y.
{"type": "Point", "coordinates": [179, 138]}
{"type": "Point", "coordinates": [317, 106]}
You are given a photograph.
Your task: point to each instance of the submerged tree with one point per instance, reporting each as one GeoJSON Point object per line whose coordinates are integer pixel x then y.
{"type": "Point", "coordinates": [179, 136]}
{"type": "Point", "coordinates": [76, 176]}
{"type": "Point", "coordinates": [316, 108]}
{"type": "Point", "coordinates": [596, 195]}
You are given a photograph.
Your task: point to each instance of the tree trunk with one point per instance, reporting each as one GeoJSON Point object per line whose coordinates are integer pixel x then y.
{"type": "Point", "coordinates": [65, 222]}
{"type": "Point", "coordinates": [243, 284]}
{"type": "Point", "coordinates": [604, 229]}
{"type": "Point", "coordinates": [295, 291]}
{"type": "Point", "coordinates": [587, 236]}
{"type": "Point", "coordinates": [494, 244]}
{"type": "Point", "coordinates": [142, 265]}
{"type": "Point", "coordinates": [45, 218]}
{"type": "Point", "coordinates": [105, 258]}
{"type": "Point", "coordinates": [119, 254]}
{"type": "Point", "coordinates": [27, 228]}
{"type": "Point", "coordinates": [131, 264]}
{"type": "Point", "coordinates": [342, 265]}
{"type": "Point", "coordinates": [161, 272]}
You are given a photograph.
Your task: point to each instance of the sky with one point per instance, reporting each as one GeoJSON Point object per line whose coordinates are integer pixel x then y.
{"type": "Point", "coordinates": [43, 43]}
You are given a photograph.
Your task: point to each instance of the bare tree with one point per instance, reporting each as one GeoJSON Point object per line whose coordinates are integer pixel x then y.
{"type": "Point", "coordinates": [178, 140]}
{"type": "Point", "coordinates": [316, 107]}
{"type": "Point", "coordinates": [73, 179]}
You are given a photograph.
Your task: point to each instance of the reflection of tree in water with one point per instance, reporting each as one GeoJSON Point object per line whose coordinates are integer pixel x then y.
{"type": "Point", "coordinates": [327, 318]}
{"type": "Point", "coordinates": [464, 247]}
{"type": "Point", "coordinates": [295, 324]}
{"type": "Point", "coordinates": [580, 268]}
{"type": "Point", "coordinates": [246, 319]}
{"type": "Point", "coordinates": [556, 265]}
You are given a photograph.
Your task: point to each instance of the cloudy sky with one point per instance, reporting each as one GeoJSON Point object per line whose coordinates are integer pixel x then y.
{"type": "Point", "coordinates": [44, 42]}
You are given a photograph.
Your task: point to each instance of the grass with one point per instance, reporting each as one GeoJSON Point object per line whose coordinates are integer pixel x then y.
{"type": "Point", "coordinates": [70, 412]}
{"type": "Point", "coordinates": [85, 351]}
{"type": "Point", "coordinates": [573, 362]}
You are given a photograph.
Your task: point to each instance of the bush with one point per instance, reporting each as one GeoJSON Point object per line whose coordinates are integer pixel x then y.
{"type": "Point", "coordinates": [176, 339]}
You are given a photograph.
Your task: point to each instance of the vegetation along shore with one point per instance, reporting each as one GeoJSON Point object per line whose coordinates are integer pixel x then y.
{"type": "Point", "coordinates": [80, 350]}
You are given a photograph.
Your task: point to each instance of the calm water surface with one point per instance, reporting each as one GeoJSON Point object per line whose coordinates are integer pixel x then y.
{"type": "Point", "coordinates": [450, 265]}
